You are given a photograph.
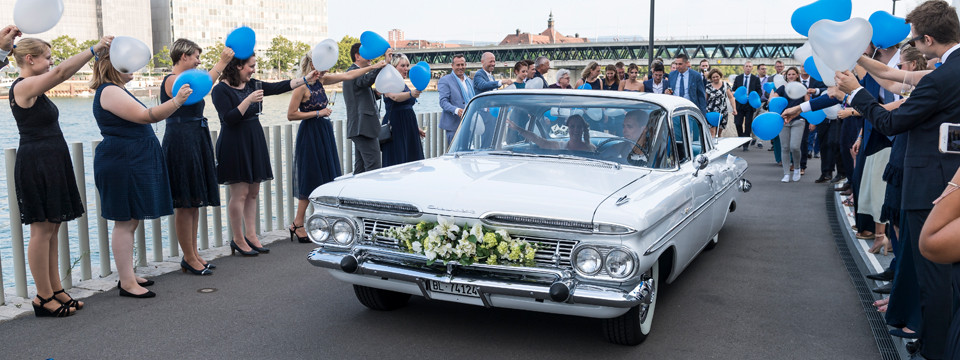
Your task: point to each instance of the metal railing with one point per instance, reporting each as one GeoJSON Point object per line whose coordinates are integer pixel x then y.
{"type": "Point", "coordinates": [278, 205]}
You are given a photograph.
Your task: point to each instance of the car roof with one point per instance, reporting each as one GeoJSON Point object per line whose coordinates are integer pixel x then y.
{"type": "Point", "coordinates": [669, 102]}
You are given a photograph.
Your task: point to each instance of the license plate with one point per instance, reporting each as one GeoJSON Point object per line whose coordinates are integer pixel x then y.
{"type": "Point", "coordinates": [455, 289]}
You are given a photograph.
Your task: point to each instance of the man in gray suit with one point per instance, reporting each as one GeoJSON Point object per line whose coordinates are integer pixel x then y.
{"type": "Point", "coordinates": [7, 35]}
{"type": "Point", "coordinates": [363, 119]}
{"type": "Point", "coordinates": [456, 89]}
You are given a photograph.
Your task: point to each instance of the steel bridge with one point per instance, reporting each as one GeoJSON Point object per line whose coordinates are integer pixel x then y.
{"type": "Point", "coordinates": [724, 52]}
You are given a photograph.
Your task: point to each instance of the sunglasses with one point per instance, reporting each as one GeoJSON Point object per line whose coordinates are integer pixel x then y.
{"type": "Point", "coordinates": [913, 42]}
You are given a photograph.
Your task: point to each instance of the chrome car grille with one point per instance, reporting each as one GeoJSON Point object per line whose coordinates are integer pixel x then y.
{"type": "Point", "coordinates": [550, 252]}
{"type": "Point", "coordinates": [379, 206]}
{"type": "Point", "coordinates": [530, 221]}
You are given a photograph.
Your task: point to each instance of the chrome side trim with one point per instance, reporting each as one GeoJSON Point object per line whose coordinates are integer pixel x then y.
{"type": "Point", "coordinates": [685, 221]}
{"type": "Point", "coordinates": [536, 222]}
{"type": "Point", "coordinates": [382, 207]}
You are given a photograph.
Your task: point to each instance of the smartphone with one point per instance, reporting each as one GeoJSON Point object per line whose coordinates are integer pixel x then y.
{"type": "Point", "coordinates": [950, 138]}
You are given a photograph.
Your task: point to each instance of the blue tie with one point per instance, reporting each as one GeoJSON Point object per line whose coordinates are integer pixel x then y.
{"type": "Point", "coordinates": [680, 86]}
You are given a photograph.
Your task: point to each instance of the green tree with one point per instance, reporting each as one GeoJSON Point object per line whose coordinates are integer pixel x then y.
{"type": "Point", "coordinates": [211, 56]}
{"type": "Point", "coordinates": [345, 60]}
{"type": "Point", "coordinates": [162, 58]}
{"type": "Point", "coordinates": [284, 54]}
{"type": "Point", "coordinates": [63, 48]}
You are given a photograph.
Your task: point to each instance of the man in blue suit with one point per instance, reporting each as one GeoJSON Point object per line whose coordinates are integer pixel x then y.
{"type": "Point", "coordinates": [655, 84]}
{"type": "Point", "coordinates": [455, 89]}
{"type": "Point", "coordinates": [935, 101]}
{"type": "Point", "coordinates": [688, 84]}
{"type": "Point", "coordinates": [483, 80]}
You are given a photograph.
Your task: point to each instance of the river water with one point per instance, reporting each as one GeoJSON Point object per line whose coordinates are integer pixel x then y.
{"type": "Point", "coordinates": [78, 125]}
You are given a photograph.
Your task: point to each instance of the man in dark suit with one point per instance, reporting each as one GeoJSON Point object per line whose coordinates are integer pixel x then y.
{"type": "Point", "coordinates": [688, 84]}
{"type": "Point", "coordinates": [7, 35]}
{"type": "Point", "coordinates": [743, 120]}
{"type": "Point", "coordinates": [363, 119]}
{"type": "Point", "coordinates": [935, 101]}
{"type": "Point", "coordinates": [656, 83]}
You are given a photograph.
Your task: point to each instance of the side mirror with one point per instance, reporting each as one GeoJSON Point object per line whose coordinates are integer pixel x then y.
{"type": "Point", "coordinates": [701, 162]}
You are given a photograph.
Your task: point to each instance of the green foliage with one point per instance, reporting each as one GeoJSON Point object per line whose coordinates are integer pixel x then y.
{"type": "Point", "coordinates": [161, 59]}
{"type": "Point", "coordinates": [63, 48]}
{"type": "Point", "coordinates": [284, 55]}
{"type": "Point", "coordinates": [345, 60]}
{"type": "Point", "coordinates": [211, 56]}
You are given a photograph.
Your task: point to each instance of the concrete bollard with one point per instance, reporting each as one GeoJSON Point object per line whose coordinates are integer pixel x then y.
{"type": "Point", "coordinates": [83, 226]}
{"type": "Point", "coordinates": [16, 229]}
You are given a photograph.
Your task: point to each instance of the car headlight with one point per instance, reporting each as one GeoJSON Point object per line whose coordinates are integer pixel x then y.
{"type": "Point", "coordinates": [588, 261]}
{"type": "Point", "coordinates": [343, 232]}
{"type": "Point", "coordinates": [619, 264]}
{"type": "Point", "coordinates": [318, 229]}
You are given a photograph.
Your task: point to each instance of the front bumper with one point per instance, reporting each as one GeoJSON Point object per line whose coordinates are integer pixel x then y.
{"type": "Point", "coordinates": [535, 289]}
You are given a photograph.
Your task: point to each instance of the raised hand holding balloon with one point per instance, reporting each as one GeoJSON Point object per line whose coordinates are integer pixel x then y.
{"type": "Point", "coordinates": [242, 40]}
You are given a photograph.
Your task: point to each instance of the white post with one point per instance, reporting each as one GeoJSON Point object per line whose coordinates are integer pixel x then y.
{"type": "Point", "coordinates": [204, 231]}
{"type": "Point", "coordinates": [217, 223]}
{"type": "Point", "coordinates": [102, 233]}
{"type": "Point", "coordinates": [288, 154]}
{"type": "Point", "coordinates": [66, 272]}
{"type": "Point", "coordinates": [16, 229]}
{"type": "Point", "coordinates": [174, 240]}
{"type": "Point", "coordinates": [157, 240]}
{"type": "Point", "coordinates": [265, 187]}
{"type": "Point", "coordinates": [141, 239]}
{"type": "Point", "coordinates": [347, 149]}
{"type": "Point", "coordinates": [229, 228]}
{"type": "Point", "coordinates": [278, 175]}
{"type": "Point", "coordinates": [83, 228]}
{"type": "Point", "coordinates": [338, 134]}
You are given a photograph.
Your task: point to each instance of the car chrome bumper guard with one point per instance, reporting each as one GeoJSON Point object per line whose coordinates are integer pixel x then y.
{"type": "Point", "coordinates": [539, 283]}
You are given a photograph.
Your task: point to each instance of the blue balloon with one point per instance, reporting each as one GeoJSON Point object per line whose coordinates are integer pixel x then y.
{"type": "Point", "coordinates": [713, 118]}
{"type": "Point", "coordinates": [547, 115]}
{"type": "Point", "coordinates": [888, 30]}
{"type": "Point", "coordinates": [767, 126]}
{"type": "Point", "coordinates": [199, 82]}
{"type": "Point", "coordinates": [372, 45]}
{"type": "Point", "coordinates": [420, 76]}
{"type": "Point", "coordinates": [769, 87]}
{"type": "Point", "coordinates": [814, 117]}
{"type": "Point", "coordinates": [754, 100]}
{"type": "Point", "coordinates": [810, 66]}
{"type": "Point", "coordinates": [241, 40]}
{"type": "Point", "coordinates": [585, 86]}
{"type": "Point", "coordinates": [741, 95]}
{"type": "Point", "coordinates": [777, 105]}
{"type": "Point", "coordinates": [424, 64]}
{"type": "Point", "coordinates": [805, 16]}
{"type": "Point", "coordinates": [495, 112]}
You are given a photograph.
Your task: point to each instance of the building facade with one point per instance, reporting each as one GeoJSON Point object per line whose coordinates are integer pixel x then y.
{"type": "Point", "coordinates": [208, 22]}
{"type": "Point", "coordinates": [91, 19]}
{"type": "Point", "coordinates": [548, 36]}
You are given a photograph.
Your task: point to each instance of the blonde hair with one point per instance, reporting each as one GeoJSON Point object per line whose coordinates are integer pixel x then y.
{"type": "Point", "coordinates": [397, 59]}
{"type": "Point", "coordinates": [590, 67]}
{"type": "Point", "coordinates": [306, 64]}
{"type": "Point", "coordinates": [29, 46]}
{"type": "Point", "coordinates": [183, 47]}
{"type": "Point", "coordinates": [104, 72]}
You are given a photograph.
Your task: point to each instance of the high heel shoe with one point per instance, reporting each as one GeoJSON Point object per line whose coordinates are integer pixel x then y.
{"type": "Point", "coordinates": [209, 266]}
{"type": "Point", "coordinates": [71, 303]}
{"type": "Point", "coordinates": [148, 294]}
{"type": "Point", "coordinates": [293, 234]}
{"type": "Point", "coordinates": [234, 248]}
{"type": "Point", "coordinates": [40, 311]}
{"type": "Point", "coordinates": [258, 249]}
{"type": "Point", "coordinates": [184, 266]}
{"type": "Point", "coordinates": [879, 242]}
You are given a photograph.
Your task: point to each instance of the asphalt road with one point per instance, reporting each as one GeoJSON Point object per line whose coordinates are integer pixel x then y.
{"type": "Point", "coordinates": [774, 288]}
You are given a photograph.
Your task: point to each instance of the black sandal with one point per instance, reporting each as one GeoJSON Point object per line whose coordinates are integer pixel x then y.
{"type": "Point", "coordinates": [293, 234]}
{"type": "Point", "coordinates": [40, 311]}
{"type": "Point", "coordinates": [71, 303]}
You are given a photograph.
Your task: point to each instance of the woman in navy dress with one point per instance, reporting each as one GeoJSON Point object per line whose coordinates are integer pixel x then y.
{"type": "Point", "coordinates": [243, 161]}
{"type": "Point", "coordinates": [128, 166]}
{"type": "Point", "coordinates": [315, 159]}
{"type": "Point", "coordinates": [189, 156]}
{"type": "Point", "coordinates": [47, 193]}
{"type": "Point", "coordinates": [405, 145]}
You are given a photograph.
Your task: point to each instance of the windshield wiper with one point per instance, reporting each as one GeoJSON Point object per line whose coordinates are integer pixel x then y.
{"type": "Point", "coordinates": [615, 165]}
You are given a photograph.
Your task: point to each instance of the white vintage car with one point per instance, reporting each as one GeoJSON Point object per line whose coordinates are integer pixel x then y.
{"type": "Point", "coordinates": [530, 210]}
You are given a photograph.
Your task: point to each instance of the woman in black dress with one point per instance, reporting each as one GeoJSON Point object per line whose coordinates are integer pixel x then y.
{"type": "Point", "coordinates": [243, 161]}
{"type": "Point", "coordinates": [189, 156]}
{"type": "Point", "coordinates": [405, 145]}
{"type": "Point", "coordinates": [47, 192]}
{"type": "Point", "coordinates": [315, 160]}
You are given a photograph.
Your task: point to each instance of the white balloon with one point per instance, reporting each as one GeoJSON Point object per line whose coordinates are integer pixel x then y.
{"type": "Point", "coordinates": [840, 44]}
{"type": "Point", "coordinates": [795, 90]}
{"type": "Point", "coordinates": [129, 54]}
{"type": "Point", "coordinates": [831, 112]}
{"type": "Point", "coordinates": [37, 16]}
{"type": "Point", "coordinates": [803, 52]}
{"type": "Point", "coordinates": [614, 112]}
{"type": "Point", "coordinates": [779, 80]}
{"type": "Point", "coordinates": [325, 55]}
{"type": "Point", "coordinates": [389, 80]}
{"type": "Point", "coordinates": [826, 73]}
{"type": "Point", "coordinates": [732, 77]}
{"type": "Point", "coordinates": [534, 83]}
{"type": "Point", "coordinates": [595, 114]}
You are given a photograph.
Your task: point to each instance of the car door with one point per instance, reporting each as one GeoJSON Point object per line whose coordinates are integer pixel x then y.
{"type": "Point", "coordinates": [699, 186]}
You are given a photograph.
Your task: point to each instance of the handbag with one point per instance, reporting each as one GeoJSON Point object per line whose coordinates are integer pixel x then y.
{"type": "Point", "coordinates": [386, 133]}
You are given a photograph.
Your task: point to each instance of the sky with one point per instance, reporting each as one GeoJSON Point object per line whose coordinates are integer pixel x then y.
{"type": "Point", "coordinates": [679, 19]}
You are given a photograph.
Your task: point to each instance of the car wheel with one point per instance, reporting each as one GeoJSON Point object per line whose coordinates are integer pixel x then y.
{"type": "Point", "coordinates": [713, 242]}
{"type": "Point", "coordinates": [378, 299]}
{"type": "Point", "coordinates": [633, 327]}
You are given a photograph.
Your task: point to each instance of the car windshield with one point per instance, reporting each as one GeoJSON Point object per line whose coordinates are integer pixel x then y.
{"type": "Point", "coordinates": [624, 131]}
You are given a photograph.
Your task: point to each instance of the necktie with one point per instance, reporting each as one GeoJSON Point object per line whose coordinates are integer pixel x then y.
{"type": "Point", "coordinates": [680, 86]}
{"type": "Point", "coordinates": [464, 91]}
{"type": "Point", "coordinates": [746, 81]}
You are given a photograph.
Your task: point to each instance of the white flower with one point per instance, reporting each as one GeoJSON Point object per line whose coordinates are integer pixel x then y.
{"type": "Point", "coordinates": [465, 247]}
{"type": "Point", "coordinates": [477, 231]}
{"type": "Point", "coordinates": [417, 247]}
{"type": "Point", "coordinates": [504, 235]}
{"type": "Point", "coordinates": [447, 227]}
{"type": "Point", "coordinates": [431, 255]}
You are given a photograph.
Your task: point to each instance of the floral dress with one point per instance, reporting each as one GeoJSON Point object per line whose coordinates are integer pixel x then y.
{"type": "Point", "coordinates": [717, 102]}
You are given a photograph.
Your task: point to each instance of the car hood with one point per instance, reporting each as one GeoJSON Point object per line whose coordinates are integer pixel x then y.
{"type": "Point", "coordinates": [471, 186]}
